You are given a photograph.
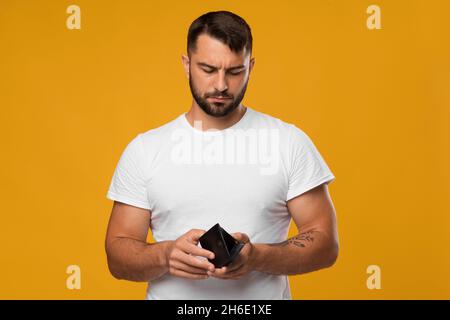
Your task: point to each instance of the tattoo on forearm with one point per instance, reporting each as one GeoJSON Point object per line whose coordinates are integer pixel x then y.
{"type": "Point", "coordinates": [301, 240]}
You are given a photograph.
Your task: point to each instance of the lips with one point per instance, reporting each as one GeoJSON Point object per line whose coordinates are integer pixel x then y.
{"type": "Point", "coordinates": [218, 99]}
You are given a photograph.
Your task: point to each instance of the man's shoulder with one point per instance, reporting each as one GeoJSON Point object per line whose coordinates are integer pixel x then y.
{"type": "Point", "coordinates": [288, 132]}
{"type": "Point", "coordinates": [154, 138]}
{"type": "Point", "coordinates": [265, 120]}
{"type": "Point", "coordinates": [162, 129]}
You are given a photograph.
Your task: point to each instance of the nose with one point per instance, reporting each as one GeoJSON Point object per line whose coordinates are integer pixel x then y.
{"type": "Point", "coordinates": [221, 82]}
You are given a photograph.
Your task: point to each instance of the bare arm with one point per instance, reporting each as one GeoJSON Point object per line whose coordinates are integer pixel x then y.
{"type": "Point", "coordinates": [130, 257]}
{"type": "Point", "coordinates": [316, 245]}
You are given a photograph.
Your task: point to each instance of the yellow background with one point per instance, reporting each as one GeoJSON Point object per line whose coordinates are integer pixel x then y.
{"type": "Point", "coordinates": [375, 102]}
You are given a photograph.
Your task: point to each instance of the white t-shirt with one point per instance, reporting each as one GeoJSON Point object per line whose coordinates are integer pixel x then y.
{"type": "Point", "coordinates": [240, 177]}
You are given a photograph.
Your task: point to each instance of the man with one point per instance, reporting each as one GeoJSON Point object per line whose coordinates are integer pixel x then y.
{"type": "Point", "coordinates": [225, 163]}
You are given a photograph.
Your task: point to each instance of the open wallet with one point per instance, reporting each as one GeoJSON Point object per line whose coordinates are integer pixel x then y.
{"type": "Point", "coordinates": [225, 247]}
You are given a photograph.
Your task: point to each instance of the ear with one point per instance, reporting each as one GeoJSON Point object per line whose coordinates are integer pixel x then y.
{"type": "Point", "coordinates": [252, 63]}
{"type": "Point", "coordinates": [185, 61]}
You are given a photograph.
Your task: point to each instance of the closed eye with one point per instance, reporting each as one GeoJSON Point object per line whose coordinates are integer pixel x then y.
{"type": "Point", "coordinates": [233, 73]}
{"type": "Point", "coordinates": [208, 70]}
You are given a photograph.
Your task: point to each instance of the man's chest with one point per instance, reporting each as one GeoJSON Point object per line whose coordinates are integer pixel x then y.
{"type": "Point", "coordinates": [198, 196]}
{"type": "Point", "coordinates": [170, 185]}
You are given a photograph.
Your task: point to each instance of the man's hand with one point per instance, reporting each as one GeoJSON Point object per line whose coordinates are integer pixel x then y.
{"type": "Point", "coordinates": [181, 256]}
{"type": "Point", "coordinates": [243, 264]}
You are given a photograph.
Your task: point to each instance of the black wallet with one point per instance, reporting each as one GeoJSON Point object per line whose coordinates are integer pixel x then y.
{"type": "Point", "coordinates": [225, 247]}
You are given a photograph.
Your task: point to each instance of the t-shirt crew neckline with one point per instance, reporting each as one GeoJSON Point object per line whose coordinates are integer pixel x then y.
{"type": "Point", "coordinates": [215, 132]}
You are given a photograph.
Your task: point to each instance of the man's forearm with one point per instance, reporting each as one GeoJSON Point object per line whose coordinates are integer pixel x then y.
{"type": "Point", "coordinates": [134, 260]}
{"type": "Point", "coordinates": [306, 252]}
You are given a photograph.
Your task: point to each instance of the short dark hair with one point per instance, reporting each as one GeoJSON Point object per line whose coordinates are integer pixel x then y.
{"type": "Point", "coordinates": [225, 26]}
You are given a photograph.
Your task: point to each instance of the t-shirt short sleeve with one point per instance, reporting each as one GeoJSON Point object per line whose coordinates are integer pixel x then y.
{"type": "Point", "coordinates": [128, 183]}
{"type": "Point", "coordinates": [307, 168]}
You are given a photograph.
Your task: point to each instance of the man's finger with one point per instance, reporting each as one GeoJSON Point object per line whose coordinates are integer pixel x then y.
{"type": "Point", "coordinates": [219, 272]}
{"type": "Point", "coordinates": [194, 234]}
{"type": "Point", "coordinates": [183, 274]}
{"type": "Point", "coordinates": [197, 251]}
{"type": "Point", "coordinates": [235, 265]}
{"type": "Point", "coordinates": [183, 267]}
{"type": "Point", "coordinates": [242, 237]}
{"type": "Point", "coordinates": [232, 270]}
{"type": "Point", "coordinates": [195, 262]}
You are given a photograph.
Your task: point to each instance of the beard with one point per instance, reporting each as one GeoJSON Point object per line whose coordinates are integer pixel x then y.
{"type": "Point", "coordinates": [218, 109]}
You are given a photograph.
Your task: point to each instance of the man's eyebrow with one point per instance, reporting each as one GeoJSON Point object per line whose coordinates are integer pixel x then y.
{"type": "Point", "coordinates": [202, 64]}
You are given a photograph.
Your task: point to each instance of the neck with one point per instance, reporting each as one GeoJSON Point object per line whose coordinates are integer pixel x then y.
{"type": "Point", "coordinates": [209, 122]}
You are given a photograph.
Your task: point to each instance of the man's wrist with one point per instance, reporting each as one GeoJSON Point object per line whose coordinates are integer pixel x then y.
{"type": "Point", "coordinates": [164, 253]}
{"type": "Point", "coordinates": [258, 256]}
